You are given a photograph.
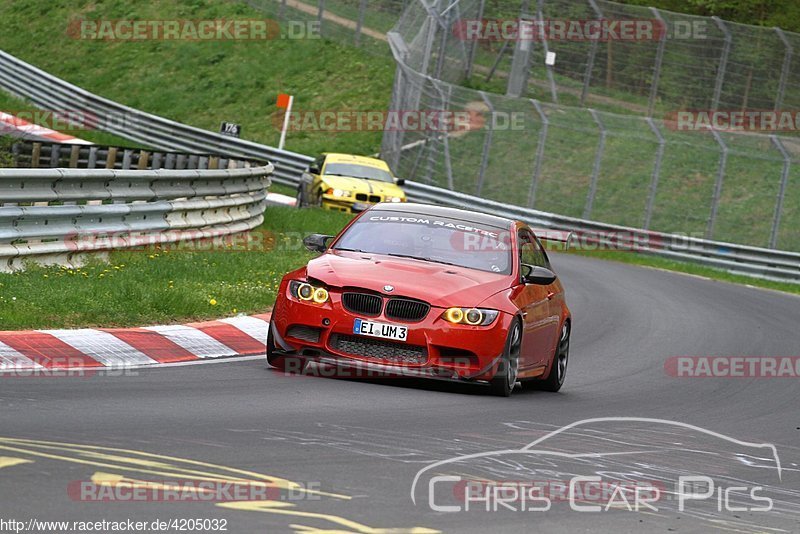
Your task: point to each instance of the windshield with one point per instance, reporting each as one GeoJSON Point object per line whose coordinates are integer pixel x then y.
{"type": "Point", "coordinates": [436, 239]}
{"type": "Point", "coordinates": [357, 171]}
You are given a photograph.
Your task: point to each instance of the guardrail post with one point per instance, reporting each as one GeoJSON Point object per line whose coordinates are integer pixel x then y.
{"type": "Point", "coordinates": [601, 146]}
{"type": "Point", "coordinates": [723, 161]}
{"type": "Point", "coordinates": [537, 166]}
{"type": "Point", "coordinates": [282, 10]}
{"type": "Point", "coordinates": [651, 195]}
{"type": "Point", "coordinates": [111, 158]}
{"type": "Point", "coordinates": [169, 161]}
{"type": "Point", "coordinates": [92, 162]}
{"type": "Point", "coordinates": [362, 8]}
{"type": "Point", "coordinates": [144, 157]}
{"type": "Point", "coordinates": [473, 46]}
{"type": "Point", "coordinates": [662, 44]}
{"type": "Point", "coordinates": [785, 69]}
{"type": "Point", "coordinates": [487, 145]}
{"type": "Point", "coordinates": [776, 219]}
{"type": "Point", "coordinates": [126, 159]}
{"type": "Point", "coordinates": [74, 154]}
{"type": "Point", "coordinates": [16, 150]}
{"type": "Point", "coordinates": [36, 154]}
{"type": "Point", "coordinates": [587, 78]}
{"type": "Point", "coordinates": [55, 154]}
{"type": "Point", "coordinates": [723, 62]}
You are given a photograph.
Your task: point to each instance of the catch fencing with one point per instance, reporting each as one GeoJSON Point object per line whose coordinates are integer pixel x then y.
{"type": "Point", "coordinates": [618, 167]}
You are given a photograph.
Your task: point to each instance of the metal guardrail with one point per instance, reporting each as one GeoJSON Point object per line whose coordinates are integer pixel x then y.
{"type": "Point", "coordinates": [37, 154]}
{"type": "Point", "coordinates": [55, 216]}
{"type": "Point", "coordinates": [50, 92]}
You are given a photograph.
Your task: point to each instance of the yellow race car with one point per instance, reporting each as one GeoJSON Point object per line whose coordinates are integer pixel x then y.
{"type": "Point", "coordinates": [344, 182]}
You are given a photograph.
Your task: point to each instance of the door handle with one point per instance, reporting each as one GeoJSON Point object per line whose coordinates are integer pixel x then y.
{"type": "Point", "coordinates": [550, 295]}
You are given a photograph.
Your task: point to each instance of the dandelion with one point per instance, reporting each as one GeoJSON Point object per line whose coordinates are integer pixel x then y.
{"type": "Point", "coordinates": [213, 302]}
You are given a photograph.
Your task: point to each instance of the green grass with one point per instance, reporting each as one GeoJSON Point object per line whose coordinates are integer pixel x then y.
{"type": "Point", "coordinates": [688, 268]}
{"type": "Point", "coordinates": [204, 83]}
{"type": "Point", "coordinates": [163, 286]}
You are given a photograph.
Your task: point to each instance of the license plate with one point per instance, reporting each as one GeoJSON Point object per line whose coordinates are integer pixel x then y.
{"type": "Point", "coordinates": [387, 331]}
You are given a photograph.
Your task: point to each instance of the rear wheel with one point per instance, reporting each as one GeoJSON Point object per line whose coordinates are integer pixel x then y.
{"type": "Point", "coordinates": [558, 369]}
{"type": "Point", "coordinates": [503, 382]}
{"type": "Point", "coordinates": [294, 364]}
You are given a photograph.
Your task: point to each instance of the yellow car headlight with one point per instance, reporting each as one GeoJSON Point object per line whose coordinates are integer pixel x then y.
{"type": "Point", "coordinates": [394, 199]}
{"type": "Point", "coordinates": [470, 316]}
{"type": "Point", "coordinates": [339, 192]}
{"type": "Point", "coordinates": [308, 293]}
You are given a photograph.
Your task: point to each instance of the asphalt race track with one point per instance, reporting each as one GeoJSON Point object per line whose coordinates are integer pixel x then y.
{"type": "Point", "coordinates": [354, 447]}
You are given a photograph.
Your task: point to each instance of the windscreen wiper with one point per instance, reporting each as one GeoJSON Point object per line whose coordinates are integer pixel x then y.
{"type": "Point", "coordinates": [423, 259]}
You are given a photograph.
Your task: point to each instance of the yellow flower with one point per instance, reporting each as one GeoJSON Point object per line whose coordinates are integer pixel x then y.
{"type": "Point", "coordinates": [213, 302]}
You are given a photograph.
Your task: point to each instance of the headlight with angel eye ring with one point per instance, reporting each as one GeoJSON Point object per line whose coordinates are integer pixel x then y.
{"type": "Point", "coordinates": [470, 316]}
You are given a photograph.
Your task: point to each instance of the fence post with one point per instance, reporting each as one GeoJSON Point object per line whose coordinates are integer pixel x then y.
{"type": "Point", "coordinates": [537, 168]}
{"type": "Point", "coordinates": [474, 44]}
{"type": "Point", "coordinates": [487, 145]}
{"type": "Point", "coordinates": [282, 10]}
{"type": "Point", "coordinates": [445, 26]}
{"type": "Point", "coordinates": [787, 163]}
{"type": "Point", "coordinates": [362, 8]}
{"type": "Point", "coordinates": [546, 48]}
{"type": "Point", "coordinates": [662, 44]}
{"type": "Point", "coordinates": [723, 62]}
{"type": "Point", "coordinates": [787, 65]}
{"type": "Point", "coordinates": [445, 100]}
{"type": "Point", "coordinates": [601, 146]}
{"type": "Point", "coordinates": [723, 161]}
{"type": "Point", "coordinates": [320, 14]}
{"type": "Point", "coordinates": [587, 78]}
{"type": "Point", "coordinates": [521, 57]}
{"type": "Point", "coordinates": [651, 196]}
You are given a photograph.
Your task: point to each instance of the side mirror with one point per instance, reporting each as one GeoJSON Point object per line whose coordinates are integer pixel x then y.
{"type": "Point", "coordinates": [316, 242]}
{"type": "Point", "coordinates": [313, 170]}
{"type": "Point", "coordinates": [532, 274]}
{"type": "Point", "coordinates": [400, 181]}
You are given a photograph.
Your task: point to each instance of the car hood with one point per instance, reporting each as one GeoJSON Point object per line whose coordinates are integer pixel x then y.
{"type": "Point", "coordinates": [440, 285]}
{"type": "Point", "coordinates": [362, 185]}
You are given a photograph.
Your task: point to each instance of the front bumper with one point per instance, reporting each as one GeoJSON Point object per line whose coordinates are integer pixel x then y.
{"type": "Point", "coordinates": [448, 352]}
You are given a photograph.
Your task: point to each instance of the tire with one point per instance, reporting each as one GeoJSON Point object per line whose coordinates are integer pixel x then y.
{"type": "Point", "coordinates": [558, 368]}
{"type": "Point", "coordinates": [503, 382]}
{"type": "Point", "coordinates": [294, 364]}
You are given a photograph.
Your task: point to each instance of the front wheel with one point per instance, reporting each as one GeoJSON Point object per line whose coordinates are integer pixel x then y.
{"type": "Point", "coordinates": [558, 369]}
{"type": "Point", "coordinates": [503, 382]}
{"type": "Point", "coordinates": [292, 364]}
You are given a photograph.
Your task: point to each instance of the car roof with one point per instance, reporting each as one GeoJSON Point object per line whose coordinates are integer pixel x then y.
{"type": "Point", "coordinates": [432, 210]}
{"type": "Point", "coordinates": [360, 160]}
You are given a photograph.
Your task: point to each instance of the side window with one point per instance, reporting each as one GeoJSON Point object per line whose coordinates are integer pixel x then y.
{"type": "Point", "coordinates": [318, 163]}
{"type": "Point", "coordinates": [531, 251]}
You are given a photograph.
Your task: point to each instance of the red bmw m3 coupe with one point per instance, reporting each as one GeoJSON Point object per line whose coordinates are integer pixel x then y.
{"type": "Point", "coordinates": [427, 291]}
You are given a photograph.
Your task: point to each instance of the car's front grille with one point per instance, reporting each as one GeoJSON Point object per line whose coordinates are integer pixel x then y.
{"type": "Point", "coordinates": [371, 198]}
{"type": "Point", "coordinates": [407, 309]}
{"type": "Point", "coordinates": [375, 198]}
{"type": "Point", "coordinates": [378, 349]}
{"type": "Point", "coordinates": [362, 303]}
{"type": "Point", "coordinates": [304, 333]}
{"type": "Point", "coordinates": [361, 196]}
